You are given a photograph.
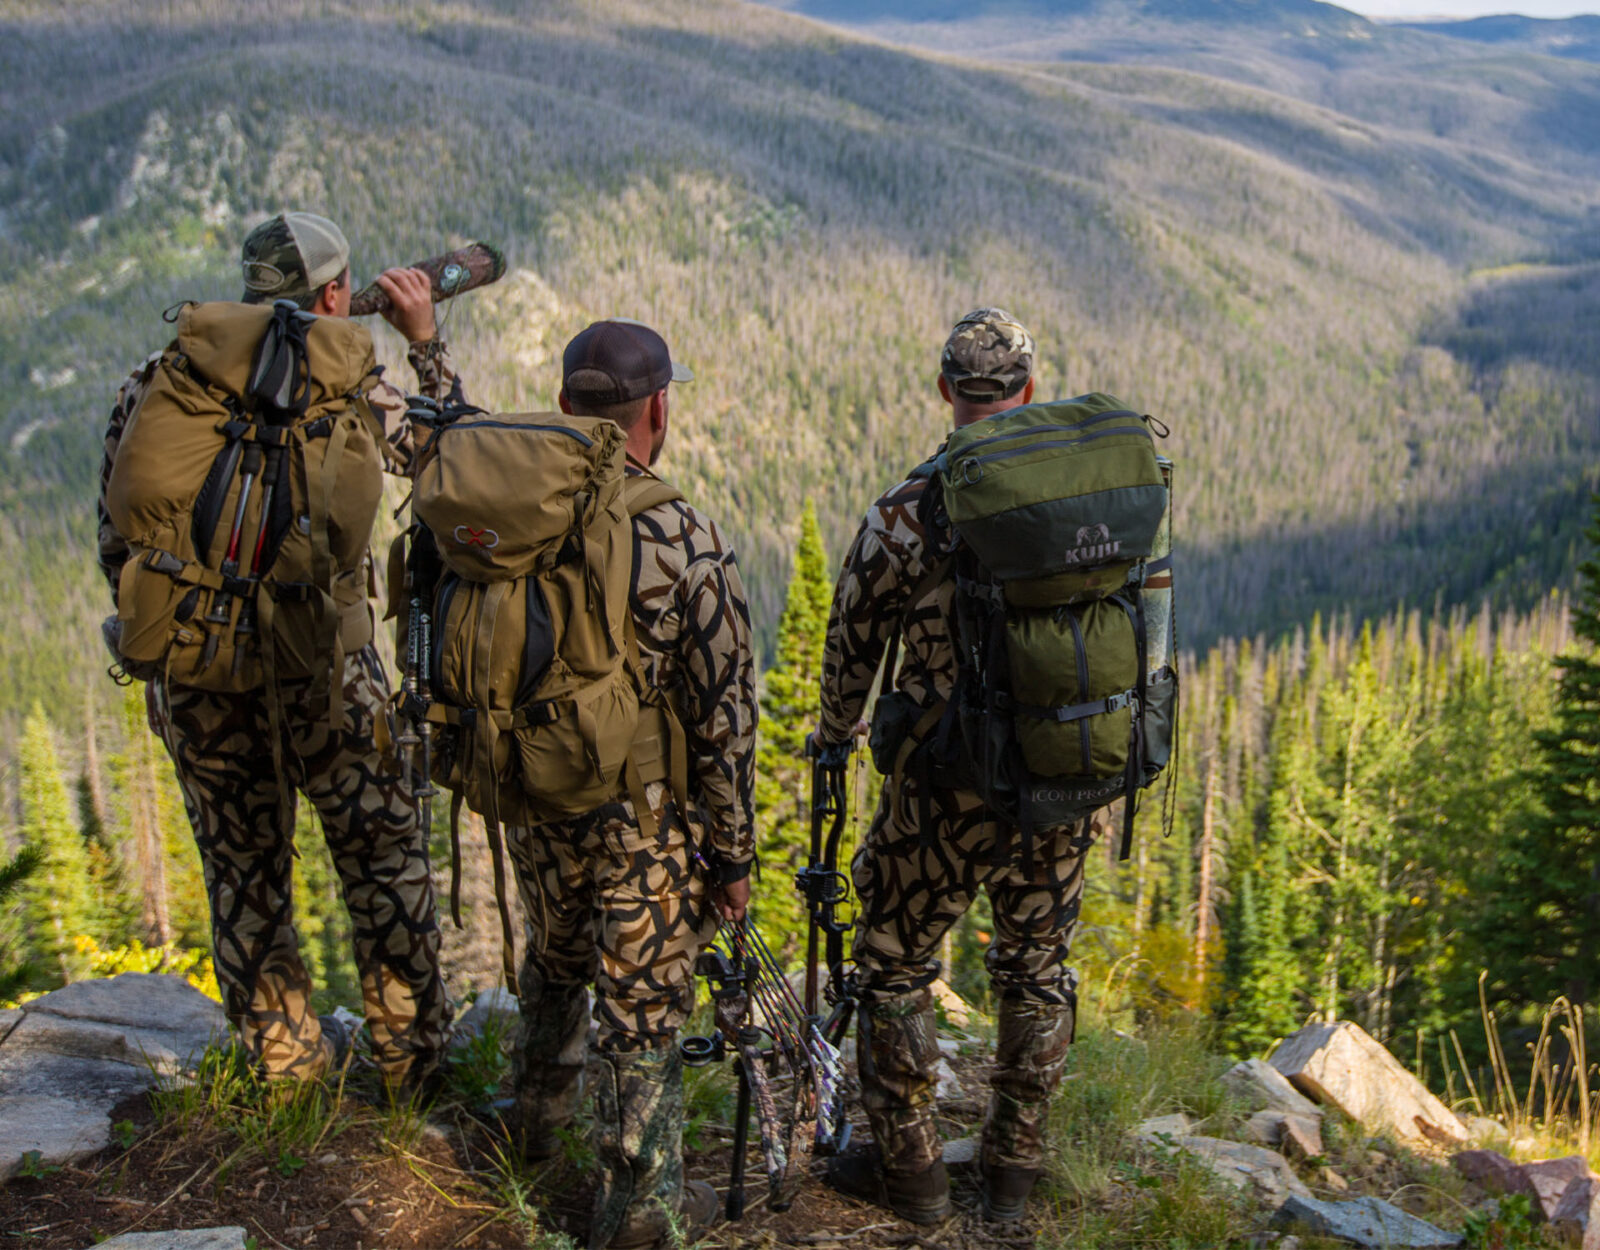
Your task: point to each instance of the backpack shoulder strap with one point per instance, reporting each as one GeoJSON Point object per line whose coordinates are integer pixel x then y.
{"type": "Point", "coordinates": [644, 491]}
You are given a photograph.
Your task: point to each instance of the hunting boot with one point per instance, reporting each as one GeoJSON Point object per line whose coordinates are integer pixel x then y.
{"type": "Point", "coordinates": [642, 1200]}
{"type": "Point", "coordinates": [898, 1046]}
{"type": "Point", "coordinates": [1030, 1054]}
{"type": "Point", "coordinates": [547, 1069]}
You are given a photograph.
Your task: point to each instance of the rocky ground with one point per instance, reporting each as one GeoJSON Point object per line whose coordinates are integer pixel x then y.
{"type": "Point", "coordinates": [1249, 1161]}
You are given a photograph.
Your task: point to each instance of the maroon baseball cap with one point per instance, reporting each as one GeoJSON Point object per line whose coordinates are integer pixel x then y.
{"type": "Point", "coordinates": [617, 360]}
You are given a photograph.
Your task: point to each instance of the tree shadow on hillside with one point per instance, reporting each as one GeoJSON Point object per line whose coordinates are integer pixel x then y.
{"type": "Point", "coordinates": [1549, 317]}
{"type": "Point", "coordinates": [1511, 537]}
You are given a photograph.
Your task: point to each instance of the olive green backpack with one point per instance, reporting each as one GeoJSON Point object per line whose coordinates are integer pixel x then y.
{"type": "Point", "coordinates": [1055, 522]}
{"type": "Point", "coordinates": [246, 484]}
{"type": "Point", "coordinates": [526, 664]}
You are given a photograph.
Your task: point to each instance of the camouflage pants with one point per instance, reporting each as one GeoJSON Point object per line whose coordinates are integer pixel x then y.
{"type": "Point", "coordinates": [914, 883]}
{"type": "Point", "coordinates": [608, 905]}
{"type": "Point", "coordinates": [243, 821]}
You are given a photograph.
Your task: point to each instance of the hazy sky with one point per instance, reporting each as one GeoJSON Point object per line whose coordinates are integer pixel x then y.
{"type": "Point", "coordinates": [1467, 8]}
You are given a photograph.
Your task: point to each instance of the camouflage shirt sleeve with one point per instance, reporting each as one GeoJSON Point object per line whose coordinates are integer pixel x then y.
{"type": "Point", "coordinates": [113, 546]}
{"type": "Point", "coordinates": [696, 643]}
{"type": "Point", "coordinates": [885, 570]}
{"type": "Point", "coordinates": [436, 378]}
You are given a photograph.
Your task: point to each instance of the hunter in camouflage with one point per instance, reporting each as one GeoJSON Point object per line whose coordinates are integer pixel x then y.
{"type": "Point", "coordinates": [242, 810]}
{"type": "Point", "coordinates": [608, 904]}
{"type": "Point", "coordinates": [932, 845]}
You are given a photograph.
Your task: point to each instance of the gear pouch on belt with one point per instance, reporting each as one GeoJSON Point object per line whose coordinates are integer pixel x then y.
{"type": "Point", "coordinates": [894, 716]}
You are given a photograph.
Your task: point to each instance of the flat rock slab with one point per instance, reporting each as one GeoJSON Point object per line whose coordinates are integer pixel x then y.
{"type": "Point", "coordinates": [1369, 1222]}
{"type": "Point", "coordinates": [229, 1238]}
{"type": "Point", "coordinates": [1250, 1168]}
{"type": "Point", "coordinates": [1261, 1087]}
{"type": "Point", "coordinates": [76, 1053]}
{"type": "Point", "coordinates": [1551, 1177]}
{"type": "Point", "coordinates": [1342, 1065]}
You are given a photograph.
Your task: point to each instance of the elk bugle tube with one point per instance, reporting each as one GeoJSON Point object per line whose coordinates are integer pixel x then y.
{"type": "Point", "coordinates": [465, 269]}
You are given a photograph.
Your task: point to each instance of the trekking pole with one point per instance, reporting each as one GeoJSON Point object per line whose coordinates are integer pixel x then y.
{"type": "Point", "coordinates": [269, 484]}
{"type": "Point", "coordinates": [425, 570]}
{"type": "Point", "coordinates": [820, 882]}
{"type": "Point", "coordinates": [222, 601]}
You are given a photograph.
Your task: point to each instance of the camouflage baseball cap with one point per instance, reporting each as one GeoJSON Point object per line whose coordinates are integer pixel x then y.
{"type": "Point", "coordinates": [292, 254]}
{"type": "Point", "coordinates": [988, 356]}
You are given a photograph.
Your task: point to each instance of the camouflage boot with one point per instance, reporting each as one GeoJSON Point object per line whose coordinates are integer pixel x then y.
{"type": "Point", "coordinates": [898, 1045]}
{"type": "Point", "coordinates": [639, 1140]}
{"type": "Point", "coordinates": [547, 1068]}
{"type": "Point", "coordinates": [1030, 1054]}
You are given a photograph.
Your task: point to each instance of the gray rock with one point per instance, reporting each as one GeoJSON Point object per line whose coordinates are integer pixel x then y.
{"type": "Point", "coordinates": [961, 1153]}
{"type": "Point", "coordinates": [1577, 1216]}
{"type": "Point", "coordinates": [1302, 1137]}
{"type": "Point", "coordinates": [1550, 1178]}
{"type": "Point", "coordinates": [229, 1238]}
{"type": "Point", "coordinates": [1261, 1087]}
{"type": "Point", "coordinates": [1264, 1128]}
{"type": "Point", "coordinates": [1250, 1168]}
{"type": "Point", "coordinates": [949, 1086]}
{"type": "Point", "coordinates": [1299, 1136]}
{"type": "Point", "coordinates": [495, 1003]}
{"type": "Point", "coordinates": [10, 1017]}
{"type": "Point", "coordinates": [1342, 1065]}
{"type": "Point", "coordinates": [1494, 1172]}
{"type": "Point", "coordinates": [949, 1047]}
{"type": "Point", "coordinates": [1171, 1126]}
{"type": "Point", "coordinates": [1481, 1128]}
{"type": "Point", "coordinates": [79, 1051]}
{"type": "Point", "coordinates": [1369, 1222]}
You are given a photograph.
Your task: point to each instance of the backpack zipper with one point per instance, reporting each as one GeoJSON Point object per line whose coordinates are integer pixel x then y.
{"type": "Point", "coordinates": [959, 466]}
{"type": "Point", "coordinates": [1054, 429]}
{"type": "Point", "coordinates": [511, 425]}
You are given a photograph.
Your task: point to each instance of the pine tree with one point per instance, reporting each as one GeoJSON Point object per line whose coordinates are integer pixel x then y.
{"type": "Point", "coordinates": [789, 709]}
{"type": "Point", "coordinates": [58, 899]}
{"type": "Point", "coordinates": [14, 969]}
{"type": "Point", "coordinates": [1551, 876]}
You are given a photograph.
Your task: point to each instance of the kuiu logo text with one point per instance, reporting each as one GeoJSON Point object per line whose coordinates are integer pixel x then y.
{"type": "Point", "coordinates": [1094, 544]}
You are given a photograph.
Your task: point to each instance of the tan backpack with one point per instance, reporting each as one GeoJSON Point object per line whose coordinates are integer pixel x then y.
{"type": "Point", "coordinates": [530, 670]}
{"type": "Point", "coordinates": [246, 484]}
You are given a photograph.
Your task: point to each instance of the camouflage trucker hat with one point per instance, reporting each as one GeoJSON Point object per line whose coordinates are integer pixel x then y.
{"type": "Point", "coordinates": [614, 361]}
{"type": "Point", "coordinates": [292, 254]}
{"type": "Point", "coordinates": [988, 356]}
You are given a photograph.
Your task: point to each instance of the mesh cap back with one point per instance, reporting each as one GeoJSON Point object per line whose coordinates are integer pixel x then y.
{"type": "Point", "coordinates": [292, 254]}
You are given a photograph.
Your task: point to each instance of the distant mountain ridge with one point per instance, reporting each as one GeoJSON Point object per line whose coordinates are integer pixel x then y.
{"type": "Point", "coordinates": [1255, 13]}
{"type": "Point", "coordinates": [1574, 37]}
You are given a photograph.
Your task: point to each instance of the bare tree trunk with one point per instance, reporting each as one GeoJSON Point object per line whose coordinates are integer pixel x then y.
{"type": "Point", "coordinates": [1202, 920]}
{"type": "Point", "coordinates": [93, 779]}
{"type": "Point", "coordinates": [144, 814]}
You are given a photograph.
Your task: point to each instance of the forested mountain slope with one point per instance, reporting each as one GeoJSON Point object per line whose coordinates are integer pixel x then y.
{"type": "Point", "coordinates": [804, 213]}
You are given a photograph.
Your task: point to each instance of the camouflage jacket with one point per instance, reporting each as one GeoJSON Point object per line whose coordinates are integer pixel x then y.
{"type": "Point", "coordinates": [695, 640]}
{"type": "Point", "coordinates": [436, 378]}
{"type": "Point", "coordinates": [886, 568]}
